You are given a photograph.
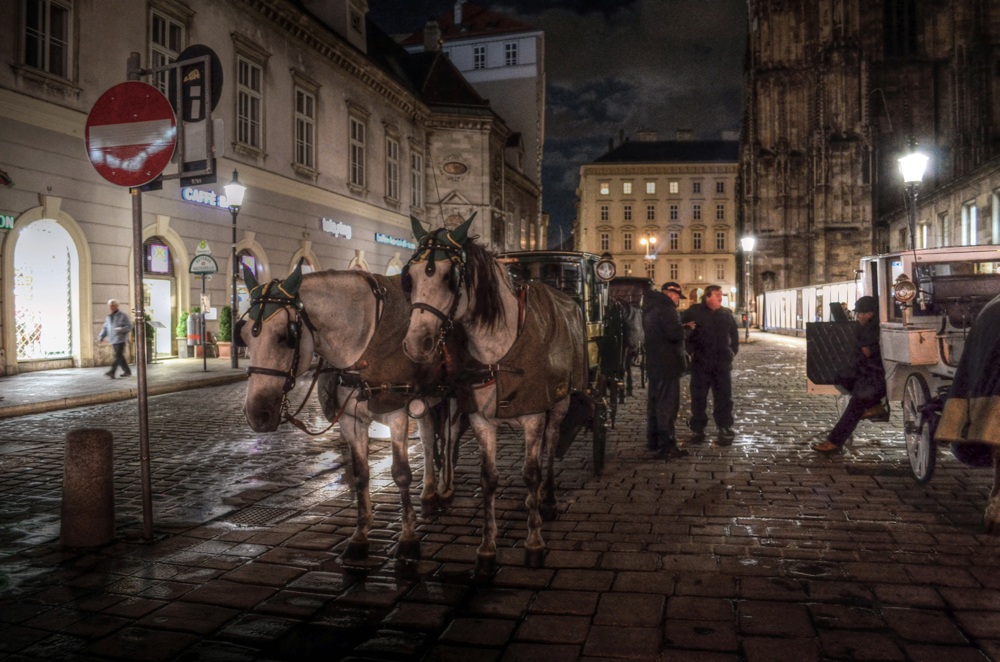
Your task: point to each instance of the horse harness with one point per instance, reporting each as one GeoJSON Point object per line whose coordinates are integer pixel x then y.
{"type": "Point", "coordinates": [456, 278]}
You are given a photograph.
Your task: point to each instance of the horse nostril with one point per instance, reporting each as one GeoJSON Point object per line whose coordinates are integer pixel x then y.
{"type": "Point", "coordinates": [428, 343]}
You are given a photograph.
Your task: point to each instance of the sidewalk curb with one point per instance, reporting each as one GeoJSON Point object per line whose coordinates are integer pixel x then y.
{"type": "Point", "coordinates": [115, 396]}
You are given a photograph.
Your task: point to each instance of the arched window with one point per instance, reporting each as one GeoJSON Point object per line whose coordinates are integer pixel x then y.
{"type": "Point", "coordinates": [45, 264]}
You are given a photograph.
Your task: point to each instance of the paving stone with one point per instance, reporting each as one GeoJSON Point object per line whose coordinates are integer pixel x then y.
{"type": "Point", "coordinates": [926, 653]}
{"type": "Point", "coordinates": [461, 654]}
{"type": "Point", "coordinates": [554, 629]}
{"type": "Point", "coordinates": [193, 618]}
{"type": "Point", "coordinates": [97, 626]}
{"type": "Point", "coordinates": [321, 582]}
{"type": "Point", "coordinates": [293, 604]}
{"type": "Point", "coordinates": [478, 631]}
{"type": "Point", "coordinates": [389, 642]}
{"type": "Point", "coordinates": [500, 603]}
{"type": "Point", "coordinates": [630, 561]}
{"type": "Point", "coordinates": [767, 649]}
{"type": "Point", "coordinates": [419, 615]}
{"type": "Point", "coordinates": [645, 582]}
{"type": "Point", "coordinates": [775, 619]}
{"type": "Point", "coordinates": [583, 580]}
{"type": "Point", "coordinates": [374, 593]}
{"type": "Point", "coordinates": [845, 618]}
{"type": "Point", "coordinates": [924, 626]}
{"type": "Point", "coordinates": [523, 577]}
{"type": "Point", "coordinates": [699, 609]}
{"type": "Point", "coordinates": [229, 594]}
{"type": "Point", "coordinates": [983, 624]}
{"type": "Point", "coordinates": [629, 609]}
{"type": "Point", "coordinates": [522, 652]}
{"type": "Point", "coordinates": [142, 644]}
{"type": "Point", "coordinates": [578, 603]}
{"type": "Point", "coordinates": [712, 635]}
{"type": "Point", "coordinates": [622, 642]}
{"type": "Point", "coordinates": [683, 655]}
{"type": "Point", "coordinates": [857, 645]}
{"type": "Point", "coordinates": [264, 574]}
{"type": "Point", "coordinates": [18, 637]}
{"type": "Point", "coordinates": [446, 594]}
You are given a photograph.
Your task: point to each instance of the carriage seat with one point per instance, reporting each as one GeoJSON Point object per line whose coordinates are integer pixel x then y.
{"type": "Point", "coordinates": [960, 297]}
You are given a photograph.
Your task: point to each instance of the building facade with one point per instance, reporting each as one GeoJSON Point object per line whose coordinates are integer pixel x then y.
{"type": "Point", "coordinates": [836, 92]}
{"type": "Point", "coordinates": [665, 210]}
{"type": "Point", "coordinates": [504, 61]}
{"type": "Point", "coordinates": [329, 134]}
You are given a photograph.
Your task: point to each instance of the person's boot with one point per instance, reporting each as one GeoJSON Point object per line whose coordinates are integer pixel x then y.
{"type": "Point", "coordinates": [879, 413]}
{"type": "Point", "coordinates": [726, 436]}
{"type": "Point", "coordinates": [110, 373]}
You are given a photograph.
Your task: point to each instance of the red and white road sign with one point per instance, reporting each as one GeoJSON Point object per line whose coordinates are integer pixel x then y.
{"type": "Point", "coordinates": [131, 134]}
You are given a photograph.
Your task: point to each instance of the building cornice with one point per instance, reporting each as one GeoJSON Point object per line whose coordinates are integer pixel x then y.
{"type": "Point", "coordinates": [640, 169]}
{"type": "Point", "coordinates": [332, 47]}
{"type": "Point", "coordinates": [517, 179]}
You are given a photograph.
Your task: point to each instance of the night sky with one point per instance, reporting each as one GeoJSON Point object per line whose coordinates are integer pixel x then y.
{"type": "Point", "coordinates": [612, 65]}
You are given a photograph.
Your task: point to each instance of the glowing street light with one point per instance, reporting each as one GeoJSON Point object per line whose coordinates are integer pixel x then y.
{"type": "Point", "coordinates": [234, 199]}
{"type": "Point", "coordinates": [912, 167]}
{"type": "Point", "coordinates": [747, 243]}
{"type": "Point", "coordinates": [648, 242]}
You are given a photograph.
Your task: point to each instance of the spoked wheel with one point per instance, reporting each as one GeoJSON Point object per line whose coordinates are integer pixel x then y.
{"type": "Point", "coordinates": [600, 423]}
{"type": "Point", "coordinates": [918, 428]}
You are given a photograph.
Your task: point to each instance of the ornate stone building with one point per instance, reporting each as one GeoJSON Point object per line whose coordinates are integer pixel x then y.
{"type": "Point", "coordinates": [836, 90]}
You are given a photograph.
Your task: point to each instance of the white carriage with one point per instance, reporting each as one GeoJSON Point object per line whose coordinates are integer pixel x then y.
{"type": "Point", "coordinates": [928, 301]}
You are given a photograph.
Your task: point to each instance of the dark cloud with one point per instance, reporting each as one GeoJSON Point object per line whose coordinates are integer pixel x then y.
{"type": "Point", "coordinates": [612, 65]}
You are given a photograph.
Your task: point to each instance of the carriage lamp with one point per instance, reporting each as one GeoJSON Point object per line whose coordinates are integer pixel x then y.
{"type": "Point", "coordinates": [912, 167]}
{"type": "Point", "coordinates": [904, 290]}
{"type": "Point", "coordinates": [234, 199]}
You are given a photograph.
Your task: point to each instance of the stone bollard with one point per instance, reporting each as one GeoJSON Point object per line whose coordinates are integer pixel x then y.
{"type": "Point", "coordinates": [88, 500]}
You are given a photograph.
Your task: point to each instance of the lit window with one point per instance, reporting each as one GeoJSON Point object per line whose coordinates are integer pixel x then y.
{"type": "Point", "coordinates": [627, 212]}
{"type": "Point", "coordinates": [720, 212]}
{"type": "Point", "coordinates": [531, 237]}
{"type": "Point", "coordinates": [510, 54]}
{"type": "Point", "coordinates": [696, 187]}
{"type": "Point", "coordinates": [627, 241]}
{"type": "Point", "coordinates": [651, 269]}
{"type": "Point", "coordinates": [510, 230]}
{"type": "Point", "coordinates": [166, 41]}
{"type": "Point", "coordinates": [305, 128]}
{"type": "Point", "coordinates": [604, 212]}
{"type": "Point", "coordinates": [524, 236]}
{"type": "Point", "coordinates": [675, 187]}
{"type": "Point", "coordinates": [720, 187]}
{"type": "Point", "coordinates": [696, 212]}
{"type": "Point", "coordinates": [391, 168]}
{"type": "Point", "coordinates": [674, 271]}
{"type": "Point", "coordinates": [696, 241]}
{"type": "Point", "coordinates": [627, 268]}
{"type": "Point", "coordinates": [46, 36]}
{"type": "Point", "coordinates": [720, 271]}
{"type": "Point", "coordinates": [358, 131]}
{"type": "Point", "coordinates": [650, 212]}
{"type": "Point", "coordinates": [650, 188]}
{"type": "Point", "coordinates": [478, 57]}
{"type": "Point", "coordinates": [720, 241]}
{"type": "Point", "coordinates": [675, 241]}
{"type": "Point", "coordinates": [605, 188]}
{"type": "Point", "coordinates": [673, 212]}
{"type": "Point", "coordinates": [627, 188]}
{"type": "Point", "coordinates": [249, 103]}
{"type": "Point", "coordinates": [969, 224]}
{"type": "Point", "coordinates": [605, 241]}
{"type": "Point", "coordinates": [417, 179]}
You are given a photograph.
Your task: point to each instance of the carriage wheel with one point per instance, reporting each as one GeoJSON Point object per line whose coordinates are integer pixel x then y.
{"type": "Point", "coordinates": [920, 446]}
{"type": "Point", "coordinates": [600, 424]}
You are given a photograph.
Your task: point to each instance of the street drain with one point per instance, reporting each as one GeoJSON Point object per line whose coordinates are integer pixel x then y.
{"type": "Point", "coordinates": [259, 516]}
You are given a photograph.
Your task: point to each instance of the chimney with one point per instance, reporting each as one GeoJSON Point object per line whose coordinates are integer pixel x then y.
{"type": "Point", "coordinates": [646, 135]}
{"type": "Point", "coordinates": [733, 134]}
{"type": "Point", "coordinates": [685, 134]}
{"type": "Point", "coordinates": [458, 13]}
{"type": "Point", "coordinates": [432, 36]}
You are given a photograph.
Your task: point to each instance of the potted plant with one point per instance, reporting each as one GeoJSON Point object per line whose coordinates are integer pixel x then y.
{"type": "Point", "coordinates": [150, 342]}
{"type": "Point", "coordinates": [181, 333]}
{"type": "Point", "coordinates": [225, 332]}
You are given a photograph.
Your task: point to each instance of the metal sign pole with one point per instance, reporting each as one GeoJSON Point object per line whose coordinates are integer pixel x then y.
{"type": "Point", "coordinates": [134, 69]}
{"type": "Point", "coordinates": [204, 325]}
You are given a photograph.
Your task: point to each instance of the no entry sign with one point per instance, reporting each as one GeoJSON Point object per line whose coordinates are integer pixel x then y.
{"type": "Point", "coordinates": [131, 134]}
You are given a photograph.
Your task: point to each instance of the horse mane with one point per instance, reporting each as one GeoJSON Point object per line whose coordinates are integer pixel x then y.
{"type": "Point", "coordinates": [484, 281]}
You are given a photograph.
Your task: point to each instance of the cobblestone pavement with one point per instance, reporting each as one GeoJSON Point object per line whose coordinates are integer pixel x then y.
{"type": "Point", "coordinates": [759, 551]}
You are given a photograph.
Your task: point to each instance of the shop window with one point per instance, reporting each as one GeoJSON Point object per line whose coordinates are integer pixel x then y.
{"type": "Point", "coordinates": [45, 261]}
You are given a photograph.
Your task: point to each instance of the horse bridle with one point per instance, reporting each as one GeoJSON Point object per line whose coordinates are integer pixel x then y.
{"type": "Point", "coordinates": [455, 282]}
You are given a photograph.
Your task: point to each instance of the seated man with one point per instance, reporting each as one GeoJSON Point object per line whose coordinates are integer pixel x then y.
{"type": "Point", "coordinates": [866, 383]}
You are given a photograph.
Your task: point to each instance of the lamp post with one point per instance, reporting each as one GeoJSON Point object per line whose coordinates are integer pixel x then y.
{"type": "Point", "coordinates": [747, 244]}
{"type": "Point", "coordinates": [234, 198]}
{"type": "Point", "coordinates": [648, 242]}
{"type": "Point", "coordinates": [912, 167]}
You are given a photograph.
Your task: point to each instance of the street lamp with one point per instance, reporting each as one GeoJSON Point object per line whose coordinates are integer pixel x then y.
{"type": "Point", "coordinates": [747, 243]}
{"type": "Point", "coordinates": [912, 167]}
{"type": "Point", "coordinates": [234, 198]}
{"type": "Point", "coordinates": [648, 242]}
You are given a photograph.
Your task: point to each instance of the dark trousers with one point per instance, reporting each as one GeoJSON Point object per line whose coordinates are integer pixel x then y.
{"type": "Point", "coordinates": [718, 379]}
{"type": "Point", "coordinates": [120, 359]}
{"type": "Point", "coordinates": [850, 419]}
{"type": "Point", "coordinates": [662, 403]}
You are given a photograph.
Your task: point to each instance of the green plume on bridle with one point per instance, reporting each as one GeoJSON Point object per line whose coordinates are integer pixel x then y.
{"type": "Point", "coordinates": [440, 244]}
{"type": "Point", "coordinates": [277, 292]}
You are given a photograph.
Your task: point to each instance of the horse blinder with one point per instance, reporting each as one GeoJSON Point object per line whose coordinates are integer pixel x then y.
{"type": "Point", "coordinates": [238, 333]}
{"type": "Point", "coordinates": [293, 334]}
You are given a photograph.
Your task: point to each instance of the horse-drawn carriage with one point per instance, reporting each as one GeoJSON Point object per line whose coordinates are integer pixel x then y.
{"type": "Point", "coordinates": [928, 302]}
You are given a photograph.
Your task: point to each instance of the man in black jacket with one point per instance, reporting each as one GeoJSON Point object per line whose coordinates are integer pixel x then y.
{"type": "Point", "coordinates": [665, 363]}
{"type": "Point", "coordinates": [713, 344]}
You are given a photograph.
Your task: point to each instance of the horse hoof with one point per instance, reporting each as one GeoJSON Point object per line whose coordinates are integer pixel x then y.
{"type": "Point", "coordinates": [446, 501]}
{"type": "Point", "coordinates": [534, 558]}
{"type": "Point", "coordinates": [549, 512]}
{"type": "Point", "coordinates": [486, 565]}
{"type": "Point", "coordinates": [430, 506]}
{"type": "Point", "coordinates": [408, 550]}
{"type": "Point", "coordinates": [356, 551]}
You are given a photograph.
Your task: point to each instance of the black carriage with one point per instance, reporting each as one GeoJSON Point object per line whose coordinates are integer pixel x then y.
{"type": "Point", "coordinates": [584, 278]}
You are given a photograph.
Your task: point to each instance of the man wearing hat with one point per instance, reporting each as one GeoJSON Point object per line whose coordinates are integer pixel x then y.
{"type": "Point", "coordinates": [665, 363]}
{"type": "Point", "coordinates": [866, 384]}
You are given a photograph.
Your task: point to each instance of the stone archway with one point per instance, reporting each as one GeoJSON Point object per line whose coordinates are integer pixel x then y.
{"type": "Point", "coordinates": [311, 261]}
{"type": "Point", "coordinates": [80, 304]}
{"type": "Point", "coordinates": [178, 256]}
{"type": "Point", "coordinates": [249, 244]}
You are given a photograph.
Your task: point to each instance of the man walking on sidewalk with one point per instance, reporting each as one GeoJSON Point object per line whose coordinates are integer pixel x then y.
{"type": "Point", "coordinates": [713, 345]}
{"type": "Point", "coordinates": [116, 329]}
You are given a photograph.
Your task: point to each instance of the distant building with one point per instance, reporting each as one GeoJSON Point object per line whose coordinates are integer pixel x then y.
{"type": "Point", "coordinates": [673, 200]}
{"type": "Point", "coordinates": [504, 60]}
{"type": "Point", "coordinates": [835, 94]}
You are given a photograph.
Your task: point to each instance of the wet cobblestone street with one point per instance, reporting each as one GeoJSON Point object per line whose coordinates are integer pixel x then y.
{"type": "Point", "coordinates": [760, 551]}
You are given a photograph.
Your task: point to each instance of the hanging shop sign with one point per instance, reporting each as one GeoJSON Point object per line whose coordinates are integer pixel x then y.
{"type": "Point", "coordinates": [394, 241]}
{"type": "Point", "coordinates": [337, 228]}
{"type": "Point", "coordinates": [202, 197]}
{"type": "Point", "coordinates": [6, 222]}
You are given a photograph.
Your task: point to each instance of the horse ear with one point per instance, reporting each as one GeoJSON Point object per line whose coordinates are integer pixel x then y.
{"type": "Point", "coordinates": [461, 233]}
{"type": "Point", "coordinates": [418, 229]}
{"type": "Point", "coordinates": [248, 278]}
{"type": "Point", "coordinates": [294, 280]}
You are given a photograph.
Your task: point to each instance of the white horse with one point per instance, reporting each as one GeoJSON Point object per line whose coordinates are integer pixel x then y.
{"type": "Point", "coordinates": [356, 322]}
{"type": "Point", "coordinates": [532, 348]}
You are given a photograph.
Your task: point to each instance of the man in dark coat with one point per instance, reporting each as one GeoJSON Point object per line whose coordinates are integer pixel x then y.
{"type": "Point", "coordinates": [713, 344]}
{"type": "Point", "coordinates": [665, 363]}
{"type": "Point", "coordinates": [866, 383]}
